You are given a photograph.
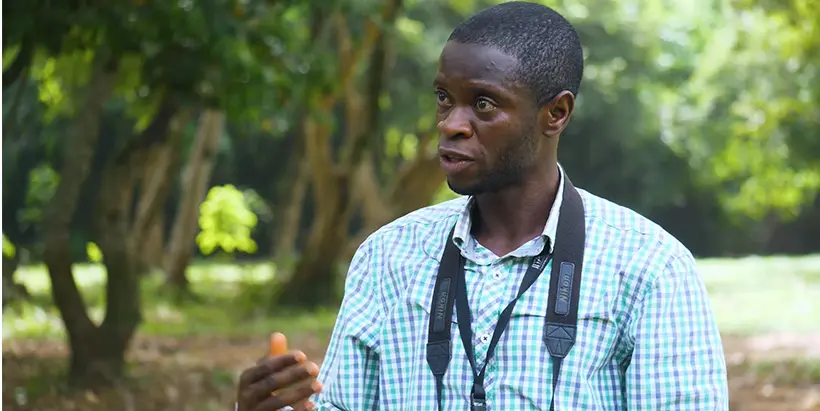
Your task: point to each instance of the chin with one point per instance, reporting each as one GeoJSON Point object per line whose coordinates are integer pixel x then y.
{"type": "Point", "coordinates": [464, 189]}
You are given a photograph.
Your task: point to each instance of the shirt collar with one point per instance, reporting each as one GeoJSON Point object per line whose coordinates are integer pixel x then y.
{"type": "Point", "coordinates": [464, 223]}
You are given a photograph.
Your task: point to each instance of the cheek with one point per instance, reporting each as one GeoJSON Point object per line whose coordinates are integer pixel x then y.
{"type": "Point", "coordinates": [500, 134]}
{"type": "Point", "coordinates": [518, 151]}
{"type": "Point", "coordinates": [495, 130]}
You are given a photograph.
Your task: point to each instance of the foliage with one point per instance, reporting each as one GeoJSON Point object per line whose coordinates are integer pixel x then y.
{"type": "Point", "coordinates": [94, 253]}
{"type": "Point", "coordinates": [226, 222]}
{"type": "Point", "coordinates": [8, 248]}
{"type": "Point", "coordinates": [667, 117]}
{"type": "Point", "coordinates": [739, 119]}
{"type": "Point", "coordinates": [43, 181]}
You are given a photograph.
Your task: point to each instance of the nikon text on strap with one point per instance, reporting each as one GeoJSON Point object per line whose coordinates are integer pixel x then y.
{"type": "Point", "coordinates": [562, 309]}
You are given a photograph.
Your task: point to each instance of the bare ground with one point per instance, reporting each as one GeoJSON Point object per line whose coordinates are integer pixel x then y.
{"type": "Point", "coordinates": [767, 373]}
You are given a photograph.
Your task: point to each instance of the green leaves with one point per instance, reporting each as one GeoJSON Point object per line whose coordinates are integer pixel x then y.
{"type": "Point", "coordinates": [93, 252]}
{"type": "Point", "coordinates": [745, 116]}
{"type": "Point", "coordinates": [9, 251]}
{"type": "Point", "coordinates": [42, 184]}
{"type": "Point", "coordinates": [226, 222]}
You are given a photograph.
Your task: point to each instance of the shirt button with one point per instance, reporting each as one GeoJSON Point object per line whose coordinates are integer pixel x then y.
{"type": "Point", "coordinates": [497, 275]}
{"type": "Point", "coordinates": [485, 338]}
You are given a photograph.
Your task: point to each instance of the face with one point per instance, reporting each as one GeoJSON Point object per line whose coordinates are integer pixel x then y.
{"type": "Point", "coordinates": [489, 134]}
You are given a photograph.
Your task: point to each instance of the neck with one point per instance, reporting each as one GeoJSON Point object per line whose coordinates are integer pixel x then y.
{"type": "Point", "coordinates": [509, 218]}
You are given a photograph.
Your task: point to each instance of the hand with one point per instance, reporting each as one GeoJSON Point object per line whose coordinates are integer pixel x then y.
{"type": "Point", "coordinates": [277, 381]}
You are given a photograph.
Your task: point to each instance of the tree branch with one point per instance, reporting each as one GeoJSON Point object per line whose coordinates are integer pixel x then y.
{"type": "Point", "coordinates": [155, 178]}
{"type": "Point", "coordinates": [362, 112]}
{"type": "Point", "coordinates": [78, 153]}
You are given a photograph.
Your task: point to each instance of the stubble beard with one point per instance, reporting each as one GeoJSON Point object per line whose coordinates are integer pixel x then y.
{"type": "Point", "coordinates": [514, 163]}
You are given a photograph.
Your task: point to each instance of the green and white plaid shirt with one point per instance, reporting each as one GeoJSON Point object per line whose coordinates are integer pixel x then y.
{"type": "Point", "coordinates": [647, 338]}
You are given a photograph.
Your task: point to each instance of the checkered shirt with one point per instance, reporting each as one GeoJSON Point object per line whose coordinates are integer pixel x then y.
{"type": "Point", "coordinates": [647, 338]}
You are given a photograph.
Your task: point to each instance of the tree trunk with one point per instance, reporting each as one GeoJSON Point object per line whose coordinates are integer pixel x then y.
{"type": "Point", "coordinates": [153, 247]}
{"type": "Point", "coordinates": [12, 291]}
{"type": "Point", "coordinates": [414, 188]}
{"type": "Point", "coordinates": [289, 219]}
{"type": "Point", "coordinates": [314, 281]}
{"type": "Point", "coordinates": [96, 363]}
{"type": "Point", "coordinates": [140, 167]}
{"type": "Point", "coordinates": [194, 188]}
{"type": "Point", "coordinates": [160, 167]}
{"type": "Point", "coordinates": [118, 242]}
{"type": "Point", "coordinates": [87, 365]}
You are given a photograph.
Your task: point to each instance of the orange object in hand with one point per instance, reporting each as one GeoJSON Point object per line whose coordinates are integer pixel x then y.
{"type": "Point", "coordinates": [278, 344]}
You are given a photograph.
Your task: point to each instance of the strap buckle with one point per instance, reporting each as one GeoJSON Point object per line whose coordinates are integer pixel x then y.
{"type": "Point", "coordinates": [478, 404]}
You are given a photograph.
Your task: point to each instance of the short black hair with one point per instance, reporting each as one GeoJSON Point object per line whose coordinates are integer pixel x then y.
{"type": "Point", "coordinates": [547, 47]}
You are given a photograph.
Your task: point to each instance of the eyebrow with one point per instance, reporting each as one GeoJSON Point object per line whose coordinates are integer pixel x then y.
{"type": "Point", "coordinates": [488, 87]}
{"type": "Point", "coordinates": [479, 87]}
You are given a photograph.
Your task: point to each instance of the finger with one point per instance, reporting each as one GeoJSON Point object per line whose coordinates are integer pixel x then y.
{"type": "Point", "coordinates": [290, 396]}
{"type": "Point", "coordinates": [300, 393]}
{"type": "Point", "coordinates": [270, 366]}
{"type": "Point", "coordinates": [278, 344]}
{"type": "Point", "coordinates": [304, 406]}
{"type": "Point", "coordinates": [290, 376]}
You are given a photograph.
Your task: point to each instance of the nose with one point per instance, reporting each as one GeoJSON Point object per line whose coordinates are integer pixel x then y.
{"type": "Point", "coordinates": [456, 124]}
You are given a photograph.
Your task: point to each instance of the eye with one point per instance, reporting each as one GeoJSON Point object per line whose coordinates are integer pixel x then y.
{"type": "Point", "coordinates": [484, 105]}
{"type": "Point", "coordinates": [442, 98]}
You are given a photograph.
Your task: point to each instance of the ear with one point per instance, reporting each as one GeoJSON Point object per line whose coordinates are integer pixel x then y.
{"type": "Point", "coordinates": [554, 116]}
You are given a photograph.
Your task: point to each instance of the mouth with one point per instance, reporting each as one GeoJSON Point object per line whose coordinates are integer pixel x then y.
{"type": "Point", "coordinates": [453, 158]}
{"type": "Point", "coordinates": [454, 162]}
{"type": "Point", "coordinates": [449, 155]}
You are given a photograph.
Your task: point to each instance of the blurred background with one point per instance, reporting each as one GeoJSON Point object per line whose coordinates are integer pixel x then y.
{"type": "Point", "coordinates": [181, 178]}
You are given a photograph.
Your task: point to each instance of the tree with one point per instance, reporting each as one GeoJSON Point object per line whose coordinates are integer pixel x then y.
{"type": "Point", "coordinates": [738, 117]}
{"type": "Point", "coordinates": [343, 182]}
{"type": "Point", "coordinates": [152, 65]}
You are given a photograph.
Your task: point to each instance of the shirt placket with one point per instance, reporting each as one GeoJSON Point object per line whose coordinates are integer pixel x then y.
{"type": "Point", "coordinates": [491, 300]}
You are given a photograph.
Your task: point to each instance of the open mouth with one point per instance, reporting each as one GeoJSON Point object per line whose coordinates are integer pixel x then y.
{"type": "Point", "coordinates": [451, 159]}
{"type": "Point", "coordinates": [453, 164]}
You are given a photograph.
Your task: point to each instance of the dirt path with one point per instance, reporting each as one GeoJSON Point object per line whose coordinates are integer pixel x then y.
{"type": "Point", "coordinates": [774, 372]}
{"type": "Point", "coordinates": [767, 373]}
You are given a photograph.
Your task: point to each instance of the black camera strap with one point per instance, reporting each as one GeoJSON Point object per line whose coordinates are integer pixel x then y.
{"type": "Point", "coordinates": [562, 310]}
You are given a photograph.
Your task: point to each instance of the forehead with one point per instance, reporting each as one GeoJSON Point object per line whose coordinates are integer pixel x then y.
{"type": "Point", "coordinates": [476, 63]}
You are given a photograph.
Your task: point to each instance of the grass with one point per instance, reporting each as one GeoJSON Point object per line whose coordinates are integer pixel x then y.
{"type": "Point", "coordinates": [750, 295]}
{"type": "Point", "coordinates": [756, 295]}
{"type": "Point", "coordinates": [787, 372]}
{"type": "Point", "coordinates": [233, 303]}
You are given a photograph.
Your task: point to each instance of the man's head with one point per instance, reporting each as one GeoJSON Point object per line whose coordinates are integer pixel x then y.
{"type": "Point", "coordinates": [506, 85]}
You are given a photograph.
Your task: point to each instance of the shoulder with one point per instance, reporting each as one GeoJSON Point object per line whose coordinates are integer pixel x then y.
{"type": "Point", "coordinates": [631, 241]}
{"type": "Point", "coordinates": [392, 256]}
{"type": "Point", "coordinates": [415, 229]}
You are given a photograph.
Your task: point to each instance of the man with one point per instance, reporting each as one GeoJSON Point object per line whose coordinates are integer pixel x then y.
{"type": "Point", "coordinates": [646, 337]}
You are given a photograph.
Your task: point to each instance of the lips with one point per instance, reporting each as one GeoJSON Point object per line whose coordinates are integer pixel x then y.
{"type": "Point", "coordinates": [453, 161]}
{"type": "Point", "coordinates": [453, 155]}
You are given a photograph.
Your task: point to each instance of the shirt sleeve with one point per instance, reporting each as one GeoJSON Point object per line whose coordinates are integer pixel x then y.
{"type": "Point", "coordinates": [350, 370]}
{"type": "Point", "coordinates": [678, 361]}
